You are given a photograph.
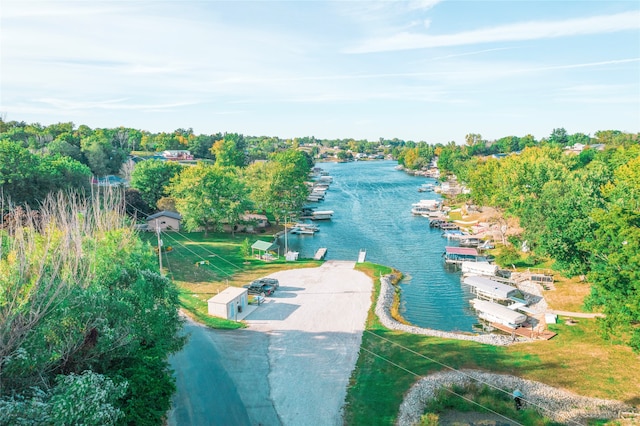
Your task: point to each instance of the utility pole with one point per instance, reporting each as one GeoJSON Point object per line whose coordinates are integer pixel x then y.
{"type": "Point", "coordinates": [159, 245]}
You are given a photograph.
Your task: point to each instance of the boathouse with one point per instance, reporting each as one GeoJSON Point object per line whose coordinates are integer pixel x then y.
{"type": "Point", "coordinates": [487, 289]}
{"type": "Point", "coordinates": [495, 313]}
{"type": "Point", "coordinates": [479, 268]}
{"type": "Point", "coordinates": [457, 255]}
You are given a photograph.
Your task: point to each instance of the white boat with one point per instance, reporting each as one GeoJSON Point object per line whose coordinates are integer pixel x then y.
{"type": "Point", "coordinates": [424, 207]}
{"type": "Point", "coordinates": [321, 215]}
{"type": "Point", "coordinates": [426, 187]}
{"type": "Point", "coordinates": [304, 229]}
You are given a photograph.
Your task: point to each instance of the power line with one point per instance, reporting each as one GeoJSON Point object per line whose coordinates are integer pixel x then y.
{"type": "Point", "coordinates": [190, 240]}
{"type": "Point", "coordinates": [197, 255]}
{"type": "Point", "coordinates": [445, 388]}
{"type": "Point", "coordinates": [460, 372]}
{"type": "Point", "coordinates": [209, 251]}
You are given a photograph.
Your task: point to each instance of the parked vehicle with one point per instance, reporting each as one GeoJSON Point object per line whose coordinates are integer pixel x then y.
{"type": "Point", "coordinates": [263, 286]}
{"type": "Point", "coordinates": [273, 282]}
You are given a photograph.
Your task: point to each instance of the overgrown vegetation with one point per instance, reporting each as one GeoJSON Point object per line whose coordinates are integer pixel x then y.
{"type": "Point", "coordinates": [86, 319]}
{"type": "Point", "coordinates": [475, 397]}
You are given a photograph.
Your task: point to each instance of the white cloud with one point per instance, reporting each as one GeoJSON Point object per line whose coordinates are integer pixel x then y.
{"type": "Point", "coordinates": [533, 30]}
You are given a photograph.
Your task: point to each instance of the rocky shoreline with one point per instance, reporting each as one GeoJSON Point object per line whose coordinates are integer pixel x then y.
{"type": "Point", "coordinates": [557, 404]}
{"type": "Point", "coordinates": [383, 311]}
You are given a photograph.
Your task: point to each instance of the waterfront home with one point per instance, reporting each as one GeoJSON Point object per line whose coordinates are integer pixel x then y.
{"type": "Point", "coordinates": [177, 154]}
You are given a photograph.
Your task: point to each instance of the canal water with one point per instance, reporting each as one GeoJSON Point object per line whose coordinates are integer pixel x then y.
{"type": "Point", "coordinates": [372, 211]}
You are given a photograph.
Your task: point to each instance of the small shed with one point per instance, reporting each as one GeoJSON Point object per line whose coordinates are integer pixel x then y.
{"type": "Point", "coordinates": [229, 303]}
{"type": "Point", "coordinates": [164, 220]}
{"type": "Point", "coordinates": [265, 249]}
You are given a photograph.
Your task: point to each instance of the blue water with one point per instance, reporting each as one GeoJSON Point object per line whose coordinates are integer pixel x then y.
{"type": "Point", "coordinates": [372, 205]}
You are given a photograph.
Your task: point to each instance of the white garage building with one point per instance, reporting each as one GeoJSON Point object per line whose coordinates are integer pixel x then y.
{"type": "Point", "coordinates": [230, 303]}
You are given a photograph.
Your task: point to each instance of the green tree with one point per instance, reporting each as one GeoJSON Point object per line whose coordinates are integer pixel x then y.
{"type": "Point", "coordinates": [102, 156]}
{"type": "Point", "coordinates": [208, 196]}
{"type": "Point", "coordinates": [80, 292]}
{"type": "Point", "coordinates": [151, 178]}
{"type": "Point", "coordinates": [230, 151]}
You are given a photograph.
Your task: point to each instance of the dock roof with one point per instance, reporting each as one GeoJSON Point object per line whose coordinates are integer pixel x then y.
{"type": "Point", "coordinates": [469, 251]}
{"type": "Point", "coordinates": [490, 287]}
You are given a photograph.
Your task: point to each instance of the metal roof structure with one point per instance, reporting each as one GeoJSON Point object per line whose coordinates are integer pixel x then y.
{"type": "Point", "coordinates": [491, 289]}
{"type": "Point", "coordinates": [467, 251]}
{"type": "Point", "coordinates": [264, 245]}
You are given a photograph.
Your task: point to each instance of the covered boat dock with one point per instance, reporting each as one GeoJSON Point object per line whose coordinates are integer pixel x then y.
{"type": "Point", "coordinates": [457, 255]}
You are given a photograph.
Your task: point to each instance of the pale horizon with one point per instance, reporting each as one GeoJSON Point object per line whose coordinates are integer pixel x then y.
{"type": "Point", "coordinates": [414, 70]}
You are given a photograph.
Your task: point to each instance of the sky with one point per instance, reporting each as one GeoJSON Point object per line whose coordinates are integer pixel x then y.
{"type": "Point", "coordinates": [423, 70]}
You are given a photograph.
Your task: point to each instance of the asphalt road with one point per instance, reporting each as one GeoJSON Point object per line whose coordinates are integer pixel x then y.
{"type": "Point", "coordinates": [206, 394]}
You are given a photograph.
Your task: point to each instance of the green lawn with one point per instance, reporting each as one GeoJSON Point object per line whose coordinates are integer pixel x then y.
{"type": "Point", "coordinates": [577, 359]}
{"type": "Point", "coordinates": [203, 266]}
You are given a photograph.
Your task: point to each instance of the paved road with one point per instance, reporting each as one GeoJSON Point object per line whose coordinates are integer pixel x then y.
{"type": "Point", "coordinates": [206, 395]}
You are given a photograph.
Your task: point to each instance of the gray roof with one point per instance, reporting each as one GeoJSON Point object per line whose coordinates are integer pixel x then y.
{"type": "Point", "coordinates": [165, 213]}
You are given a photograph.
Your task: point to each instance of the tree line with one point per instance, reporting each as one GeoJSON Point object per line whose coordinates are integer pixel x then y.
{"type": "Point", "coordinates": [580, 209]}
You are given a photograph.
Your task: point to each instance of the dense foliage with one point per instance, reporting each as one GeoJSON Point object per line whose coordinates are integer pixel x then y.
{"type": "Point", "coordinates": [86, 320]}
{"type": "Point", "coordinates": [580, 209]}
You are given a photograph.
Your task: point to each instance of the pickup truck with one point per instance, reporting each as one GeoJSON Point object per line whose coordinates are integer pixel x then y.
{"type": "Point", "coordinates": [257, 287]}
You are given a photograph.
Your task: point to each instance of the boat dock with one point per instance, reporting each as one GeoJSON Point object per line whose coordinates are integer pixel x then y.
{"type": "Point", "coordinates": [525, 332]}
{"type": "Point", "coordinates": [362, 255]}
{"type": "Point", "coordinates": [320, 253]}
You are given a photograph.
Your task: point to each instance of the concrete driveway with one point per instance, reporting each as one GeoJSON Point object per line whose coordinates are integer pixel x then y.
{"type": "Point", "coordinates": [293, 363]}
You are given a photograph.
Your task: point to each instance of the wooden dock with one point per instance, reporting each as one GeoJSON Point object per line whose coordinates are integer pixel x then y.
{"type": "Point", "coordinates": [362, 255]}
{"type": "Point", "coordinates": [320, 253]}
{"type": "Point", "coordinates": [525, 332]}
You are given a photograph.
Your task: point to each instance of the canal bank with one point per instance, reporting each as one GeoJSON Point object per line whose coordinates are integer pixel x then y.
{"type": "Point", "coordinates": [372, 210]}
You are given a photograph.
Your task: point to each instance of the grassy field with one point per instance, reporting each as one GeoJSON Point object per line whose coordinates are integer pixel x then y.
{"type": "Point", "coordinates": [578, 359]}
{"type": "Point", "coordinates": [203, 266]}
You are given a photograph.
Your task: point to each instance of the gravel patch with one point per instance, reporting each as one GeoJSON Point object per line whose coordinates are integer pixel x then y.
{"type": "Point", "coordinates": [559, 405]}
